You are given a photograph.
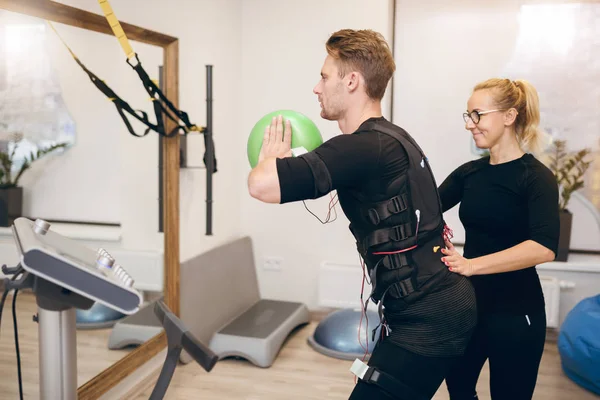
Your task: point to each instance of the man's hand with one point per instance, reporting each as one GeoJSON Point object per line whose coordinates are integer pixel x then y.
{"type": "Point", "coordinates": [456, 262]}
{"type": "Point", "coordinates": [276, 142]}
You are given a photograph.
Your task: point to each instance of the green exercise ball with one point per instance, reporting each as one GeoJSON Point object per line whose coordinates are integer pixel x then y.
{"type": "Point", "coordinates": [304, 133]}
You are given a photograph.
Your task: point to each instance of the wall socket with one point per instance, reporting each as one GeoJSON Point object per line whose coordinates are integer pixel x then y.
{"type": "Point", "coordinates": [272, 263]}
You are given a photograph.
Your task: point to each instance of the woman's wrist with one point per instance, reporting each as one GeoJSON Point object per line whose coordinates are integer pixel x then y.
{"type": "Point", "coordinates": [473, 266]}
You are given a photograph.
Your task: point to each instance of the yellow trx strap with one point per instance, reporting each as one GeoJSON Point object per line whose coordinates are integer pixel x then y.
{"type": "Point", "coordinates": [61, 39]}
{"type": "Point", "coordinates": [161, 104]}
{"type": "Point", "coordinates": [154, 91]}
{"type": "Point", "coordinates": [71, 51]}
{"type": "Point", "coordinates": [116, 28]}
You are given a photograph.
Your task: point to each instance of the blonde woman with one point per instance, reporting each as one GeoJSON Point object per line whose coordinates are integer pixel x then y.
{"type": "Point", "coordinates": [509, 209]}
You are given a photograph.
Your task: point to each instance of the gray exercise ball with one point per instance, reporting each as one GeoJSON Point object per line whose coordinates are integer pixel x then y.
{"type": "Point", "coordinates": [97, 317]}
{"type": "Point", "coordinates": [337, 334]}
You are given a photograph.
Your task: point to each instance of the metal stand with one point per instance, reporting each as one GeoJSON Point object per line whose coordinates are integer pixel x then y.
{"type": "Point", "coordinates": [57, 330]}
{"type": "Point", "coordinates": [210, 151]}
{"type": "Point", "coordinates": [58, 354]}
{"type": "Point", "coordinates": [58, 337]}
{"type": "Point", "coordinates": [65, 276]}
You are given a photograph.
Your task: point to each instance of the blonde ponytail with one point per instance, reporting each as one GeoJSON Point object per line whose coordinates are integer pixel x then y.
{"type": "Point", "coordinates": [529, 134]}
{"type": "Point", "coordinates": [522, 96]}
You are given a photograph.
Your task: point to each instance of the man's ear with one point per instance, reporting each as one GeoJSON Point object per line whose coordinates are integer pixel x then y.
{"type": "Point", "coordinates": [352, 81]}
{"type": "Point", "coordinates": [510, 116]}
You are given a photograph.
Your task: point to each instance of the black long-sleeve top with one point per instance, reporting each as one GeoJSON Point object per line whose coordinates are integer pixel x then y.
{"type": "Point", "coordinates": [501, 206]}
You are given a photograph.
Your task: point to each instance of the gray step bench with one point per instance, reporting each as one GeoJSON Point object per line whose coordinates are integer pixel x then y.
{"type": "Point", "coordinates": [221, 305]}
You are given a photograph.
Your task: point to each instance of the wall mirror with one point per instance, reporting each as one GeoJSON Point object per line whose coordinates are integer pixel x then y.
{"type": "Point", "coordinates": [40, 102]}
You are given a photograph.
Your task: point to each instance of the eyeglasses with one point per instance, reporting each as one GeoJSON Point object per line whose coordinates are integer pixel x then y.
{"type": "Point", "coordinates": [475, 115]}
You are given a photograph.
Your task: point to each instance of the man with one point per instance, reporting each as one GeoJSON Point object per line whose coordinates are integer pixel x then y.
{"type": "Point", "coordinates": [387, 191]}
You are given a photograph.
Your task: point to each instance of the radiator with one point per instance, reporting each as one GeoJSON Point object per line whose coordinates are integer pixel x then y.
{"type": "Point", "coordinates": [340, 285]}
{"type": "Point", "coordinates": [551, 288]}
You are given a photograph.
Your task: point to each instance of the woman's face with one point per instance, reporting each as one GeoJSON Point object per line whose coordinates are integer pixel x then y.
{"type": "Point", "coordinates": [484, 119]}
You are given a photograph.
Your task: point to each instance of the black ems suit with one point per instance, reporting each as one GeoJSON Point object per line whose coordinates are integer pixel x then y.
{"type": "Point", "coordinates": [388, 192]}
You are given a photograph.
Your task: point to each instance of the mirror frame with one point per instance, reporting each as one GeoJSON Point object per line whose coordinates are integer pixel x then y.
{"type": "Point", "coordinates": [60, 13]}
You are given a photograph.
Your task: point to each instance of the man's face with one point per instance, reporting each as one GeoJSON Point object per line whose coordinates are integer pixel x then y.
{"type": "Point", "coordinates": [330, 91]}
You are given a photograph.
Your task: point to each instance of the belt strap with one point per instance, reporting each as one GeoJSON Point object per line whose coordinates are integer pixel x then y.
{"type": "Point", "coordinates": [385, 209]}
{"type": "Point", "coordinates": [405, 286]}
{"type": "Point", "coordinates": [395, 261]}
{"type": "Point", "coordinates": [396, 234]}
{"type": "Point", "coordinates": [400, 289]}
{"type": "Point", "coordinates": [387, 382]}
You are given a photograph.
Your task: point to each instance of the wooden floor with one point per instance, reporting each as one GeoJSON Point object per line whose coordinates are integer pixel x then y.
{"type": "Point", "coordinates": [297, 368]}
{"type": "Point", "coordinates": [93, 354]}
{"type": "Point", "coordinates": [301, 373]}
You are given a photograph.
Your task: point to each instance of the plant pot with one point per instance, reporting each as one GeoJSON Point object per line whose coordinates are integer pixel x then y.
{"type": "Point", "coordinates": [11, 205]}
{"type": "Point", "coordinates": [564, 241]}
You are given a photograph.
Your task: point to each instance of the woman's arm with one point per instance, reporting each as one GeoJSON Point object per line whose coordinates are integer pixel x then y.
{"type": "Point", "coordinates": [451, 190]}
{"type": "Point", "coordinates": [523, 255]}
{"type": "Point", "coordinates": [541, 191]}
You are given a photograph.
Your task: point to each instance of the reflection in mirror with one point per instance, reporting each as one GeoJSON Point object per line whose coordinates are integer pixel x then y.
{"type": "Point", "coordinates": [102, 192]}
{"type": "Point", "coordinates": [33, 114]}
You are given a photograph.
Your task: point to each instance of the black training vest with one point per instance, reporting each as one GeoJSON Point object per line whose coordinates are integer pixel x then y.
{"type": "Point", "coordinates": [409, 220]}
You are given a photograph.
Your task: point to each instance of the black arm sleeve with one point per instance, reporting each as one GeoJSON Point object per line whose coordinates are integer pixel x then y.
{"type": "Point", "coordinates": [344, 161]}
{"type": "Point", "coordinates": [296, 181]}
{"type": "Point", "coordinates": [451, 189]}
{"type": "Point", "coordinates": [542, 203]}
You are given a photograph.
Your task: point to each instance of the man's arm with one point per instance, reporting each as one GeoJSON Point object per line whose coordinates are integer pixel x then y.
{"type": "Point", "coordinates": [263, 181]}
{"type": "Point", "coordinates": [342, 161]}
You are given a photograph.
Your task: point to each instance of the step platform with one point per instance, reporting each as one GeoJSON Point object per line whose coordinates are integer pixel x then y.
{"type": "Point", "coordinates": [258, 334]}
{"type": "Point", "coordinates": [135, 329]}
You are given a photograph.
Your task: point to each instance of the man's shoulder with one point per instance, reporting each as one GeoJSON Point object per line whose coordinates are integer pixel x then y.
{"type": "Point", "coordinates": [371, 125]}
{"type": "Point", "coordinates": [388, 133]}
{"type": "Point", "coordinates": [350, 144]}
{"type": "Point", "coordinates": [368, 136]}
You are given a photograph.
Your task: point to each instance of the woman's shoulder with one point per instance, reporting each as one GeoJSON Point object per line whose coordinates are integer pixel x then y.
{"type": "Point", "coordinates": [535, 170]}
{"type": "Point", "coordinates": [472, 166]}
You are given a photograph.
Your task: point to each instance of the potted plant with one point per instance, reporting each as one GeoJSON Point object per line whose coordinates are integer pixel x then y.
{"type": "Point", "coordinates": [569, 168]}
{"type": "Point", "coordinates": [11, 194]}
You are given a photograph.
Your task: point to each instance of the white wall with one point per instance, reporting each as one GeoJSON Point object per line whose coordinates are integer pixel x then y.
{"type": "Point", "coordinates": [440, 54]}
{"type": "Point", "coordinates": [283, 50]}
{"type": "Point", "coordinates": [444, 49]}
{"type": "Point", "coordinates": [267, 55]}
{"type": "Point", "coordinates": [434, 78]}
{"type": "Point", "coordinates": [94, 180]}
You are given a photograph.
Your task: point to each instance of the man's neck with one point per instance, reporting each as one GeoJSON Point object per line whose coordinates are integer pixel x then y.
{"type": "Point", "coordinates": [355, 116]}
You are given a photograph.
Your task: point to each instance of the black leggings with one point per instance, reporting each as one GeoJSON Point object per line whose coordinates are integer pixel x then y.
{"type": "Point", "coordinates": [422, 374]}
{"type": "Point", "coordinates": [514, 345]}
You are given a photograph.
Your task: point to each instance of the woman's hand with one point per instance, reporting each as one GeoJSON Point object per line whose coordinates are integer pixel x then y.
{"type": "Point", "coordinates": [456, 262]}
